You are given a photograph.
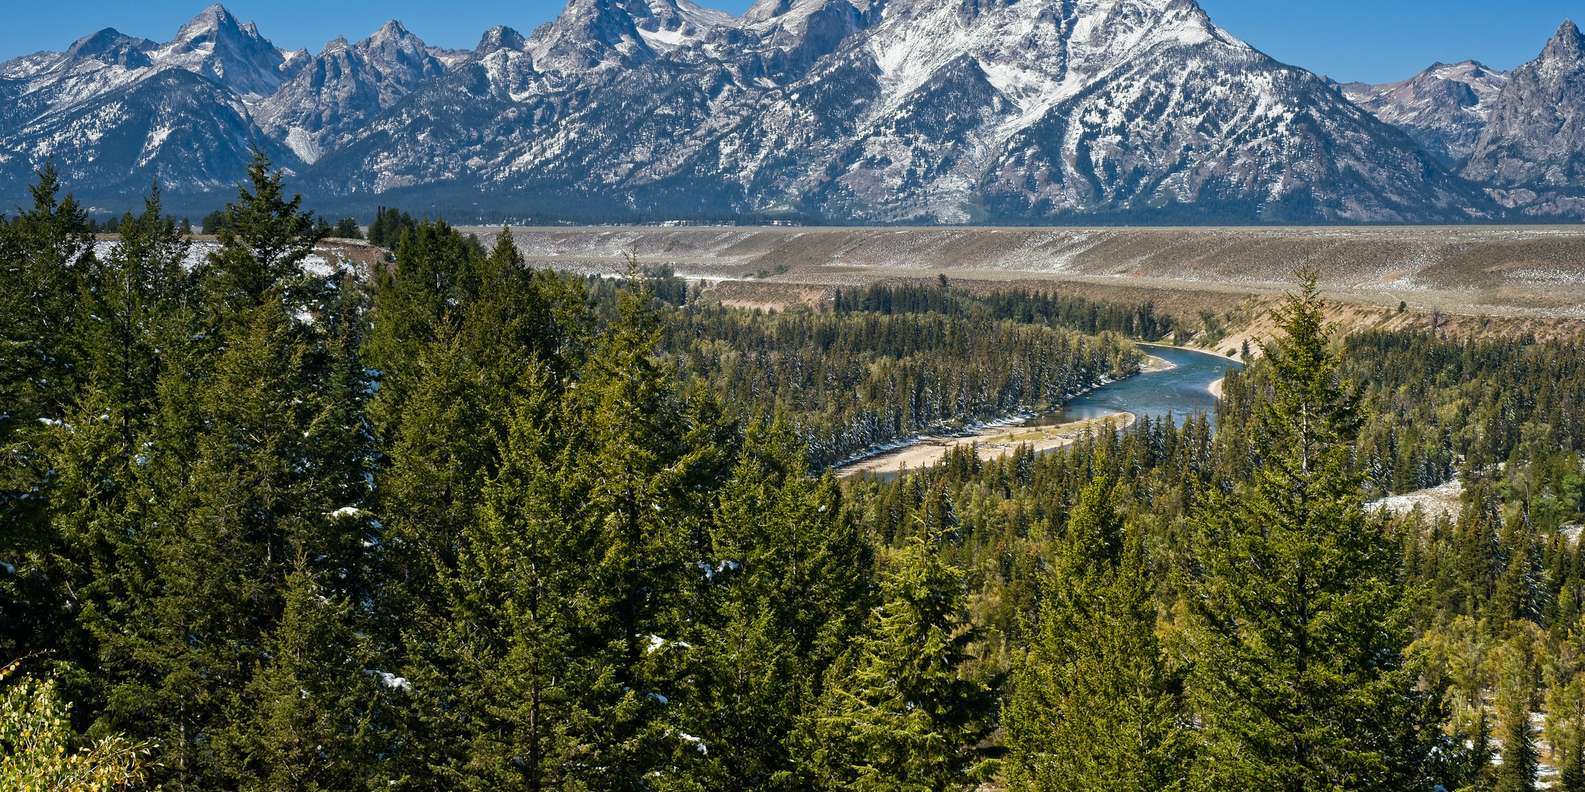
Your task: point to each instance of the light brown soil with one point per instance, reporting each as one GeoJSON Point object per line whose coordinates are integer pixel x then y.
{"type": "Point", "coordinates": [1466, 280]}
{"type": "Point", "coordinates": [992, 443]}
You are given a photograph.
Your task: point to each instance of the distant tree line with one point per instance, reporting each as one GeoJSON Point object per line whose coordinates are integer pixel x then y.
{"type": "Point", "coordinates": [1016, 305]}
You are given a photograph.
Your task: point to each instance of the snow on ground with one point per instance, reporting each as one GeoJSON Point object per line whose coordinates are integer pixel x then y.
{"type": "Point", "coordinates": [1440, 501]}
{"type": "Point", "coordinates": [198, 252]}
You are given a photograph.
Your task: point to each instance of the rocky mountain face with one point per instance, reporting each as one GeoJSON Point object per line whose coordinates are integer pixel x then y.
{"type": "Point", "coordinates": [883, 111]}
{"type": "Point", "coordinates": [1444, 108]}
{"type": "Point", "coordinates": [1533, 148]}
{"type": "Point", "coordinates": [339, 89]}
{"type": "Point", "coordinates": [117, 113]}
{"type": "Point", "coordinates": [916, 111]}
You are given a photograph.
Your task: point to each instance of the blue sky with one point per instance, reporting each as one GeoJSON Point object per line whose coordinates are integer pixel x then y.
{"type": "Point", "coordinates": [1372, 40]}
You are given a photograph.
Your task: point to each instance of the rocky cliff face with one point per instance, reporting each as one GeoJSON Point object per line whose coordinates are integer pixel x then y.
{"type": "Point", "coordinates": [1444, 108]}
{"type": "Point", "coordinates": [339, 89]}
{"type": "Point", "coordinates": [885, 111]}
{"type": "Point", "coordinates": [1533, 149]}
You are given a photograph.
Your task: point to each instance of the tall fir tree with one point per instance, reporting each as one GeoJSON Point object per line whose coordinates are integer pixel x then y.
{"type": "Point", "coordinates": [43, 254]}
{"type": "Point", "coordinates": [264, 243]}
{"type": "Point", "coordinates": [318, 708]}
{"type": "Point", "coordinates": [906, 708]}
{"type": "Point", "coordinates": [785, 587]}
{"type": "Point", "coordinates": [632, 469]}
{"type": "Point", "coordinates": [1518, 673]}
{"type": "Point", "coordinates": [1094, 703]}
{"type": "Point", "coordinates": [526, 688]}
{"type": "Point", "coordinates": [1300, 614]}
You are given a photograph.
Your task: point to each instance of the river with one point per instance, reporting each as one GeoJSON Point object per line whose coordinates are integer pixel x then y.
{"type": "Point", "coordinates": [1183, 390]}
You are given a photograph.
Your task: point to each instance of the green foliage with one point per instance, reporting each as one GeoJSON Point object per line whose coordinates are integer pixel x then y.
{"type": "Point", "coordinates": [1021, 306]}
{"type": "Point", "coordinates": [457, 523]}
{"type": "Point", "coordinates": [850, 381]}
{"type": "Point", "coordinates": [347, 228]}
{"type": "Point", "coordinates": [1300, 617]}
{"type": "Point", "coordinates": [1094, 702]}
{"type": "Point", "coordinates": [389, 226]}
{"type": "Point", "coordinates": [906, 707]}
{"type": "Point", "coordinates": [39, 752]}
{"type": "Point", "coordinates": [263, 243]}
{"type": "Point", "coordinates": [783, 590]}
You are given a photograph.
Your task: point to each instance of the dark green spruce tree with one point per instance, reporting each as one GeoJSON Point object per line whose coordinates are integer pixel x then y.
{"type": "Point", "coordinates": [529, 694]}
{"type": "Point", "coordinates": [906, 708]}
{"type": "Point", "coordinates": [1299, 610]}
{"type": "Point", "coordinates": [1094, 704]}
{"type": "Point", "coordinates": [785, 588]}
{"type": "Point", "coordinates": [43, 253]}
{"type": "Point", "coordinates": [626, 417]}
{"type": "Point", "coordinates": [237, 472]}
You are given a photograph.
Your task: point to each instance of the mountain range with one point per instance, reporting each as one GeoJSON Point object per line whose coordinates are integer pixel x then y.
{"type": "Point", "coordinates": [837, 111]}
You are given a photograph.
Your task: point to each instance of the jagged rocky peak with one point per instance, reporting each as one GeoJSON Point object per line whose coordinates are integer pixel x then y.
{"type": "Point", "coordinates": [1444, 108]}
{"type": "Point", "coordinates": [499, 38]}
{"type": "Point", "coordinates": [394, 34]}
{"type": "Point", "coordinates": [216, 25]}
{"type": "Point", "coordinates": [589, 35]}
{"type": "Point", "coordinates": [600, 34]}
{"type": "Point", "coordinates": [666, 24]}
{"type": "Point", "coordinates": [394, 44]}
{"type": "Point", "coordinates": [346, 84]}
{"type": "Point", "coordinates": [111, 46]}
{"type": "Point", "coordinates": [1566, 45]}
{"type": "Point", "coordinates": [1536, 136]}
{"type": "Point", "coordinates": [216, 45]}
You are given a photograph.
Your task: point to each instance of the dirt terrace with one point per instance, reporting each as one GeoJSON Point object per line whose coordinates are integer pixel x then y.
{"type": "Point", "coordinates": [1489, 271]}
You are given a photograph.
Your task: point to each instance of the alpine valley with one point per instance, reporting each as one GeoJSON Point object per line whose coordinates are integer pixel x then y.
{"type": "Point", "coordinates": [830, 111]}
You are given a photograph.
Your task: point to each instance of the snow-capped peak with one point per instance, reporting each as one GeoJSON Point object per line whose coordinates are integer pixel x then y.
{"type": "Point", "coordinates": [392, 31]}
{"type": "Point", "coordinates": [113, 47]}
{"type": "Point", "coordinates": [212, 21]}
{"type": "Point", "coordinates": [666, 24]}
{"type": "Point", "coordinates": [216, 45]}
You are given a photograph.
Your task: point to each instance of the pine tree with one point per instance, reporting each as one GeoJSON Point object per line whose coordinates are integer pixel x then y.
{"type": "Point", "coordinates": [43, 253]}
{"type": "Point", "coordinates": [263, 244]}
{"type": "Point", "coordinates": [46, 250]}
{"type": "Point", "coordinates": [529, 691]}
{"type": "Point", "coordinates": [316, 708]}
{"type": "Point", "coordinates": [905, 709]}
{"type": "Point", "coordinates": [1518, 680]}
{"type": "Point", "coordinates": [1094, 704]}
{"type": "Point", "coordinates": [785, 587]}
{"type": "Point", "coordinates": [1565, 709]}
{"type": "Point", "coordinates": [1299, 611]}
{"type": "Point", "coordinates": [439, 455]}
{"type": "Point", "coordinates": [631, 470]}
{"type": "Point", "coordinates": [423, 295]}
{"type": "Point", "coordinates": [135, 312]}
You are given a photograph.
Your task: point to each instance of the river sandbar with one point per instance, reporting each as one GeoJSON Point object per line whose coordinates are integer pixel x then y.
{"type": "Point", "coordinates": [993, 443]}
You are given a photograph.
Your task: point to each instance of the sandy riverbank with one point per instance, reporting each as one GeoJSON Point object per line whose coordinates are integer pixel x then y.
{"type": "Point", "coordinates": [1156, 365]}
{"type": "Point", "coordinates": [993, 443]}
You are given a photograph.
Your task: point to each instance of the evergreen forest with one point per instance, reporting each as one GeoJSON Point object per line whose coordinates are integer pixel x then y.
{"type": "Point", "coordinates": [450, 522]}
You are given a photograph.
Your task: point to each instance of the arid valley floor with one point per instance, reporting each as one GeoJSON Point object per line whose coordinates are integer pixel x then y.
{"type": "Point", "coordinates": [1466, 279]}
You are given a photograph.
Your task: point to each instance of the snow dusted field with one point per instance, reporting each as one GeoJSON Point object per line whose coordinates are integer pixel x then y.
{"type": "Point", "coordinates": [1442, 501]}
{"type": "Point", "coordinates": [1480, 270]}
